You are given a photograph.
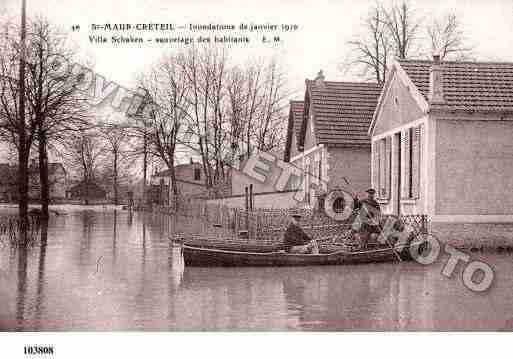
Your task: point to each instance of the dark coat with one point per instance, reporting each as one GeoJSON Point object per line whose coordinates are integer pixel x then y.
{"type": "Point", "coordinates": [295, 236]}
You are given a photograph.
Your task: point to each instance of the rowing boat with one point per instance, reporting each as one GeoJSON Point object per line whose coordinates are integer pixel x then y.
{"type": "Point", "coordinates": [247, 245]}
{"type": "Point", "coordinates": [209, 257]}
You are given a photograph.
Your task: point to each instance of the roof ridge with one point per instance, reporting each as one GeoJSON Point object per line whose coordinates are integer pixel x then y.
{"type": "Point", "coordinates": [468, 62]}
{"type": "Point", "coordinates": [348, 82]}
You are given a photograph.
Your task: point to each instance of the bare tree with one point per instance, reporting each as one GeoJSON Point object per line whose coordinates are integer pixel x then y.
{"type": "Point", "coordinates": [372, 48]}
{"type": "Point", "coordinates": [447, 39]}
{"type": "Point", "coordinates": [138, 149]}
{"type": "Point", "coordinates": [257, 95]}
{"type": "Point", "coordinates": [403, 26]}
{"type": "Point", "coordinates": [17, 126]}
{"type": "Point", "coordinates": [205, 105]}
{"type": "Point", "coordinates": [116, 140]}
{"type": "Point", "coordinates": [167, 90]}
{"type": "Point", "coordinates": [85, 154]}
{"type": "Point", "coordinates": [205, 73]}
{"type": "Point", "coordinates": [57, 108]}
{"type": "Point", "coordinates": [395, 31]}
{"type": "Point", "coordinates": [51, 105]}
{"type": "Point", "coordinates": [271, 117]}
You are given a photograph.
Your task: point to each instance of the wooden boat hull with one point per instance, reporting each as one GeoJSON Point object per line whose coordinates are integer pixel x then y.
{"type": "Point", "coordinates": [253, 246]}
{"type": "Point", "coordinates": [205, 257]}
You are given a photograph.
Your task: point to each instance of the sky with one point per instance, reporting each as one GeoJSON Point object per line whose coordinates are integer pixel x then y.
{"type": "Point", "coordinates": [324, 28]}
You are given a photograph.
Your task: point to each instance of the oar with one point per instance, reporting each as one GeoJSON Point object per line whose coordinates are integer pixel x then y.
{"type": "Point", "coordinates": [390, 245]}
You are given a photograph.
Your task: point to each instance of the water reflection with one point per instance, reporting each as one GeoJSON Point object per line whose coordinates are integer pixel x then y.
{"type": "Point", "coordinates": [22, 285]}
{"type": "Point", "coordinates": [102, 270]}
{"type": "Point", "coordinates": [114, 235]}
{"type": "Point", "coordinates": [41, 272]}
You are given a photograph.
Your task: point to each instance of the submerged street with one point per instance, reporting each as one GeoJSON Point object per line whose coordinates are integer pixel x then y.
{"type": "Point", "coordinates": [101, 269]}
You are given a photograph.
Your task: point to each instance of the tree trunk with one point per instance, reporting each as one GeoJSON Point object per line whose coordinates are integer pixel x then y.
{"type": "Point", "coordinates": [86, 189]}
{"type": "Point", "coordinates": [43, 174]}
{"type": "Point", "coordinates": [23, 159]}
{"type": "Point", "coordinates": [145, 168]}
{"type": "Point", "coordinates": [115, 178]}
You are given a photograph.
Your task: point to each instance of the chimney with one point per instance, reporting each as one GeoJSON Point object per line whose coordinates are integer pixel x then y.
{"type": "Point", "coordinates": [319, 80]}
{"type": "Point", "coordinates": [436, 77]}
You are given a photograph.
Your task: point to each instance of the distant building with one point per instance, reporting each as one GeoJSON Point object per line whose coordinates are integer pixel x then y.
{"type": "Point", "coordinates": [8, 183]}
{"type": "Point", "coordinates": [86, 191]}
{"type": "Point", "coordinates": [190, 182]}
{"type": "Point", "coordinates": [57, 179]}
{"type": "Point", "coordinates": [442, 146]}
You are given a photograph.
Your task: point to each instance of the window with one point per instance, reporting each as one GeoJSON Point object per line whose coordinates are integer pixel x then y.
{"type": "Point", "coordinates": [197, 174]}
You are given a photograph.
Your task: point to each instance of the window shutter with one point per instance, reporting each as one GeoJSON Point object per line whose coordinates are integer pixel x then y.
{"type": "Point", "coordinates": [382, 170]}
{"type": "Point", "coordinates": [388, 162]}
{"type": "Point", "coordinates": [406, 164]}
{"type": "Point", "coordinates": [416, 162]}
{"type": "Point", "coordinates": [375, 165]}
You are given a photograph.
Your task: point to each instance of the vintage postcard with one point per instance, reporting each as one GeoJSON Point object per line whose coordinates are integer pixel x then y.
{"type": "Point", "coordinates": [224, 166]}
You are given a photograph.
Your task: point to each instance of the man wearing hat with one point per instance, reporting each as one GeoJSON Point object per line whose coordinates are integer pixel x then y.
{"type": "Point", "coordinates": [369, 214]}
{"type": "Point", "coordinates": [371, 202]}
{"type": "Point", "coordinates": [295, 240]}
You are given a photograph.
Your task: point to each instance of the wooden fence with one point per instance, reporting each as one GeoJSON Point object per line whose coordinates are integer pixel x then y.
{"type": "Point", "coordinates": [265, 223]}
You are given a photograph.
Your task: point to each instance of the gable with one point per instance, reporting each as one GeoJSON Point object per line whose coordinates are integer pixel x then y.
{"type": "Point", "coordinates": [293, 146]}
{"type": "Point", "coordinates": [295, 120]}
{"type": "Point", "coordinates": [398, 106]}
{"type": "Point", "coordinates": [310, 140]}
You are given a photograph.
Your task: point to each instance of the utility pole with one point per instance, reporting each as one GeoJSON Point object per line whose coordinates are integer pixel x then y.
{"type": "Point", "coordinates": [22, 135]}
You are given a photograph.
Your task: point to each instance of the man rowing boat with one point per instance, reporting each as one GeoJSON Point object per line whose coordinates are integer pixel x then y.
{"type": "Point", "coordinates": [295, 240]}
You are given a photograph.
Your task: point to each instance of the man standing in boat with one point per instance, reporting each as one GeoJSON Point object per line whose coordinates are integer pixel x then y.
{"type": "Point", "coordinates": [369, 216]}
{"type": "Point", "coordinates": [295, 240]}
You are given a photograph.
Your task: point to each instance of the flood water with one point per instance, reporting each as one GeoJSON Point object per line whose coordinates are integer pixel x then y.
{"type": "Point", "coordinates": [101, 269]}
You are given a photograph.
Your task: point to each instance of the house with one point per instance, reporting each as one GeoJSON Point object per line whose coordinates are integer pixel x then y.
{"type": "Point", "coordinates": [8, 183]}
{"type": "Point", "coordinates": [442, 146]}
{"type": "Point", "coordinates": [86, 191]}
{"type": "Point", "coordinates": [57, 180]}
{"type": "Point", "coordinates": [190, 181]}
{"type": "Point", "coordinates": [327, 139]}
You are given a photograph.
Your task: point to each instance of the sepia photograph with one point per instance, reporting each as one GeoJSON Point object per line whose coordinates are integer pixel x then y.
{"type": "Point", "coordinates": [262, 166]}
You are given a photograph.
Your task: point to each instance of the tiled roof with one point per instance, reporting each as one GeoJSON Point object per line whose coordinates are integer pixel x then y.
{"type": "Point", "coordinates": [294, 126]}
{"type": "Point", "coordinates": [343, 111]}
{"type": "Point", "coordinates": [296, 109]}
{"type": "Point", "coordinates": [468, 86]}
{"type": "Point", "coordinates": [167, 172]}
